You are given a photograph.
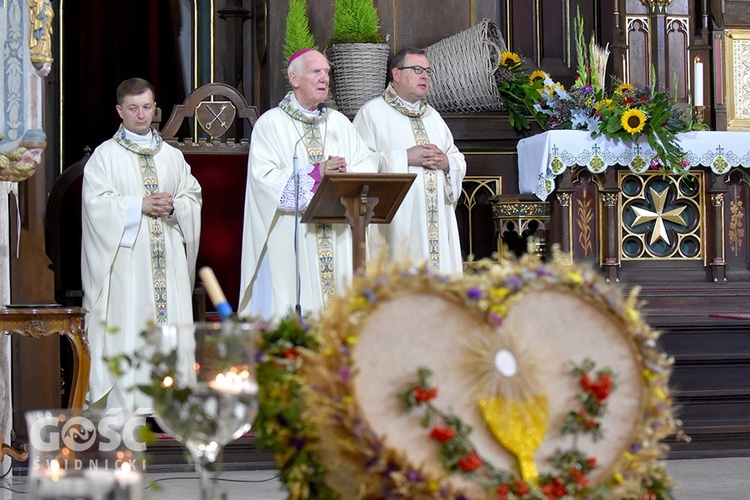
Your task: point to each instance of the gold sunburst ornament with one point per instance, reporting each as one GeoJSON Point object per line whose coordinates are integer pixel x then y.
{"type": "Point", "coordinates": [508, 395]}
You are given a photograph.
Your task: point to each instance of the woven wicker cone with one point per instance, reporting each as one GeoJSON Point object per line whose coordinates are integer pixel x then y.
{"type": "Point", "coordinates": [465, 66]}
{"type": "Point", "coordinates": [359, 72]}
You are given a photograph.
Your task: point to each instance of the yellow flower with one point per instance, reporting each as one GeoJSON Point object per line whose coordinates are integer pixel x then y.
{"type": "Point", "coordinates": [633, 120]}
{"type": "Point", "coordinates": [537, 75]}
{"type": "Point", "coordinates": [351, 340]}
{"type": "Point", "coordinates": [575, 277]}
{"type": "Point", "coordinates": [510, 59]}
{"type": "Point", "coordinates": [604, 103]}
{"type": "Point", "coordinates": [624, 87]}
{"type": "Point", "coordinates": [555, 87]}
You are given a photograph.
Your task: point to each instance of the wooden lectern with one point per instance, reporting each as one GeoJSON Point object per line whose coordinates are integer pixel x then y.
{"type": "Point", "coordinates": [359, 199]}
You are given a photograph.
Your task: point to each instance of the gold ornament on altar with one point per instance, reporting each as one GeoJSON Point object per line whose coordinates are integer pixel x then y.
{"type": "Point", "coordinates": [657, 4]}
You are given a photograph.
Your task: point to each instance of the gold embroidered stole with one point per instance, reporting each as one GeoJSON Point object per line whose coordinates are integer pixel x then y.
{"type": "Point", "coordinates": [429, 176]}
{"type": "Point", "coordinates": [323, 232]}
{"type": "Point", "coordinates": [157, 244]}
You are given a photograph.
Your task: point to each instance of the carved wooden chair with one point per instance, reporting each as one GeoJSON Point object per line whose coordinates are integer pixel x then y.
{"type": "Point", "coordinates": [220, 164]}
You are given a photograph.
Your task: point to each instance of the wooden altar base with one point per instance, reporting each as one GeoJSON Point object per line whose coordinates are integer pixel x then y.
{"type": "Point", "coordinates": [711, 375]}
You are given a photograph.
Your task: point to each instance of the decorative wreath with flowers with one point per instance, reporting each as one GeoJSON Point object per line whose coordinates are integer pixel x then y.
{"type": "Point", "coordinates": [523, 380]}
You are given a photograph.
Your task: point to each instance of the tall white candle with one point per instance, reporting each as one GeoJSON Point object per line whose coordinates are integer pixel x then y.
{"type": "Point", "coordinates": [698, 82]}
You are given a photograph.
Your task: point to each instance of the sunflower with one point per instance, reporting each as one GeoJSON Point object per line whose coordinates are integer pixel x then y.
{"type": "Point", "coordinates": [556, 87]}
{"type": "Point", "coordinates": [537, 75]}
{"type": "Point", "coordinates": [624, 87]}
{"type": "Point", "coordinates": [510, 59]}
{"type": "Point", "coordinates": [633, 120]}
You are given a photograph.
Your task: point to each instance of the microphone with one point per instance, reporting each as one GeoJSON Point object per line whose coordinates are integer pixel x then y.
{"type": "Point", "coordinates": [322, 108]}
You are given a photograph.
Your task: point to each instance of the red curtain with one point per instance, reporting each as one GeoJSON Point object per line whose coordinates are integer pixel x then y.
{"type": "Point", "coordinates": [104, 43]}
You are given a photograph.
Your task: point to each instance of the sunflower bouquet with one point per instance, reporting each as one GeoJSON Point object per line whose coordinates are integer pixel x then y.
{"type": "Point", "coordinates": [519, 92]}
{"type": "Point", "coordinates": [631, 112]}
{"type": "Point", "coordinates": [626, 113]}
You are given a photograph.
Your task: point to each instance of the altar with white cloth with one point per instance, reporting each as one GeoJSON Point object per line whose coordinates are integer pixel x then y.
{"type": "Point", "coordinates": [609, 206]}
{"type": "Point", "coordinates": [542, 157]}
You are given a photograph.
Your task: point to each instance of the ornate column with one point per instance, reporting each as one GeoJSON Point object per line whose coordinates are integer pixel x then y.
{"type": "Point", "coordinates": [715, 214]}
{"type": "Point", "coordinates": [564, 198]}
{"type": "Point", "coordinates": [611, 257]}
{"type": "Point", "coordinates": [25, 40]}
{"type": "Point", "coordinates": [658, 46]}
{"type": "Point", "coordinates": [619, 44]}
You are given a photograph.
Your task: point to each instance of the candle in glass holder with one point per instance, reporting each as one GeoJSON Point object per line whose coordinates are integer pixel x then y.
{"type": "Point", "coordinates": [128, 483]}
{"type": "Point", "coordinates": [235, 381]}
{"type": "Point", "coordinates": [56, 483]}
{"type": "Point", "coordinates": [698, 82]}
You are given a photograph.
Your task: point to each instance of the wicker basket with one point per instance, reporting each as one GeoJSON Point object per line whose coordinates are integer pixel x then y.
{"type": "Point", "coordinates": [359, 73]}
{"type": "Point", "coordinates": [465, 65]}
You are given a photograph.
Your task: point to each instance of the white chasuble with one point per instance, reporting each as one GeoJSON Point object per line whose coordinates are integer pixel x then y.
{"type": "Point", "coordinates": [424, 228]}
{"type": "Point", "coordinates": [135, 269]}
{"type": "Point", "coordinates": [268, 286]}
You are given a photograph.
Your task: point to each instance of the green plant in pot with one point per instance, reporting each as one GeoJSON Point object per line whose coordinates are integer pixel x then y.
{"type": "Point", "coordinates": [358, 54]}
{"type": "Point", "coordinates": [297, 35]}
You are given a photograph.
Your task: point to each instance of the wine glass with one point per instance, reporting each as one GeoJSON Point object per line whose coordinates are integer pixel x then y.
{"type": "Point", "coordinates": [203, 388]}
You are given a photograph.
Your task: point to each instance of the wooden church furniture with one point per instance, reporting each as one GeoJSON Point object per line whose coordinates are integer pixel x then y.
{"type": "Point", "coordinates": [39, 321]}
{"type": "Point", "coordinates": [219, 163]}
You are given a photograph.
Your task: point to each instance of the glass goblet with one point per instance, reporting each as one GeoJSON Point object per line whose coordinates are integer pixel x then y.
{"type": "Point", "coordinates": [204, 388]}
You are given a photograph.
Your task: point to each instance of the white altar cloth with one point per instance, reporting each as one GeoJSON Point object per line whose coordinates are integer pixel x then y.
{"type": "Point", "coordinates": [544, 156]}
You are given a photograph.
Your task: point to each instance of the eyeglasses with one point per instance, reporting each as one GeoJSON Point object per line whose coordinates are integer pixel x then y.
{"type": "Point", "coordinates": [418, 70]}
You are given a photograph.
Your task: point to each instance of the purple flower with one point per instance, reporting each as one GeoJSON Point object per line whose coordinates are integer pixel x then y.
{"type": "Point", "coordinates": [514, 282]}
{"type": "Point", "coordinates": [370, 295]}
{"type": "Point", "coordinates": [542, 271]}
{"type": "Point", "coordinates": [345, 372]}
{"type": "Point", "coordinates": [413, 476]}
{"type": "Point", "coordinates": [474, 293]}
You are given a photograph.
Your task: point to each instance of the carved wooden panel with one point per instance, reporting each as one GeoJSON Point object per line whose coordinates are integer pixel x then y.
{"type": "Point", "coordinates": [737, 228]}
{"type": "Point", "coordinates": [678, 40]}
{"type": "Point", "coordinates": [638, 61]}
{"type": "Point", "coordinates": [585, 211]}
{"type": "Point", "coordinates": [474, 214]}
{"type": "Point", "coordinates": [737, 63]}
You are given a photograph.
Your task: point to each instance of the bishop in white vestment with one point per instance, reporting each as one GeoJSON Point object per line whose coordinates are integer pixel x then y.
{"type": "Point", "coordinates": [324, 141]}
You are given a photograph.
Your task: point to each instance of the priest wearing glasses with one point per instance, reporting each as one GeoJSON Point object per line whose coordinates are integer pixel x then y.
{"type": "Point", "coordinates": [324, 141]}
{"type": "Point", "coordinates": [412, 137]}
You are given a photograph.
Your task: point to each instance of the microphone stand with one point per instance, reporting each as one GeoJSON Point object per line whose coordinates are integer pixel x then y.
{"type": "Point", "coordinates": [297, 277]}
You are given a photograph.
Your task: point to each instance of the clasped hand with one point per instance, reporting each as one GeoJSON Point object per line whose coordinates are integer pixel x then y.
{"type": "Point", "coordinates": [428, 156]}
{"type": "Point", "coordinates": [158, 204]}
{"type": "Point", "coordinates": [333, 164]}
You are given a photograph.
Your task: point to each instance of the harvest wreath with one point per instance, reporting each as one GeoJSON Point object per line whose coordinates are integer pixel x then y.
{"type": "Point", "coordinates": [544, 421]}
